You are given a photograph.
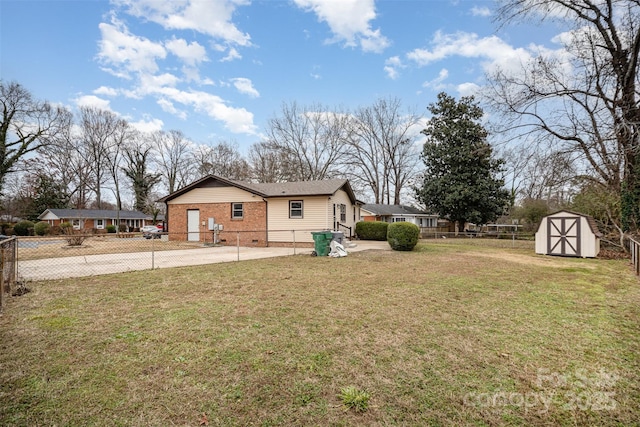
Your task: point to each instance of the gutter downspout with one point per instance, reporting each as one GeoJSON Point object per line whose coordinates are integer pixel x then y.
{"type": "Point", "coordinates": [266, 220]}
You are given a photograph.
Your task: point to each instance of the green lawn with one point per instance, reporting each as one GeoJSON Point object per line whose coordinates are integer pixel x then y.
{"type": "Point", "coordinates": [455, 333]}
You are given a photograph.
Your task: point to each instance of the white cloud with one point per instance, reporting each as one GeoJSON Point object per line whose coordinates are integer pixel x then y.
{"type": "Point", "coordinates": [391, 67]}
{"type": "Point", "coordinates": [211, 17]}
{"type": "Point", "coordinates": [93, 101]}
{"type": "Point", "coordinates": [126, 52]}
{"type": "Point", "coordinates": [190, 53]}
{"type": "Point", "coordinates": [140, 59]}
{"type": "Point", "coordinates": [437, 83]}
{"type": "Point", "coordinates": [349, 21]}
{"type": "Point", "coordinates": [245, 86]}
{"type": "Point", "coordinates": [106, 91]}
{"type": "Point", "coordinates": [494, 50]}
{"type": "Point", "coordinates": [237, 120]}
{"type": "Point", "coordinates": [468, 89]}
{"type": "Point", "coordinates": [480, 11]}
{"type": "Point", "coordinates": [232, 55]}
{"type": "Point", "coordinates": [148, 125]}
{"type": "Point", "coordinates": [168, 106]}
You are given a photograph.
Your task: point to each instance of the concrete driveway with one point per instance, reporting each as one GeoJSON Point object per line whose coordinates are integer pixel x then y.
{"type": "Point", "coordinates": [92, 265]}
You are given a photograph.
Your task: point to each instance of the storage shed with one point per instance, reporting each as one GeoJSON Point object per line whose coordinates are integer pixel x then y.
{"type": "Point", "coordinates": [567, 233]}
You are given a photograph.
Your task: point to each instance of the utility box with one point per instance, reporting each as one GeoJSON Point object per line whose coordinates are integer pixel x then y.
{"type": "Point", "coordinates": [212, 224]}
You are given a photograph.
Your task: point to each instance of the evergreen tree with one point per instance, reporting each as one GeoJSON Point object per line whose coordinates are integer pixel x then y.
{"type": "Point", "coordinates": [461, 178]}
{"type": "Point", "coordinates": [43, 192]}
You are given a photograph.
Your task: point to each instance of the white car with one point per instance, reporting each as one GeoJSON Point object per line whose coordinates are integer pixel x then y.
{"type": "Point", "coordinates": [149, 231]}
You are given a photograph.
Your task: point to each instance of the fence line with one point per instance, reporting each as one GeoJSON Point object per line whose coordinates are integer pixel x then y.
{"type": "Point", "coordinates": [634, 249]}
{"type": "Point", "coordinates": [8, 258]}
{"type": "Point", "coordinates": [55, 257]}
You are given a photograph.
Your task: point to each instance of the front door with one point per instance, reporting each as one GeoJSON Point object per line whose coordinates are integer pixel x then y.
{"type": "Point", "coordinates": [563, 236]}
{"type": "Point", "coordinates": [193, 225]}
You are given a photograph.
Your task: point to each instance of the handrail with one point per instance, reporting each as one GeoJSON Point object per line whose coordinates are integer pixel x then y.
{"type": "Point", "coordinates": [346, 227]}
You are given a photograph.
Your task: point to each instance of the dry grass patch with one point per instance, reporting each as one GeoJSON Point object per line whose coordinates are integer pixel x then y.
{"type": "Point", "coordinates": [445, 335]}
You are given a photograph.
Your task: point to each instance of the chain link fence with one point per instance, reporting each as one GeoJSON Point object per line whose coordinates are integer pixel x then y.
{"type": "Point", "coordinates": [56, 257]}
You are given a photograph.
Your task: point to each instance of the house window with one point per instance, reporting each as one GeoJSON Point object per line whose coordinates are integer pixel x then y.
{"type": "Point", "coordinates": [76, 224]}
{"type": "Point", "coordinates": [100, 224]}
{"type": "Point", "coordinates": [237, 211]}
{"type": "Point", "coordinates": [343, 213]}
{"type": "Point", "coordinates": [295, 208]}
{"type": "Point", "coordinates": [399, 219]}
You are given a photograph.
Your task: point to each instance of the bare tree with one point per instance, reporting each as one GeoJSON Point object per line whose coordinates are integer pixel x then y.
{"type": "Point", "coordinates": [137, 158]}
{"type": "Point", "coordinates": [27, 125]}
{"type": "Point", "coordinates": [222, 159]}
{"type": "Point", "coordinates": [310, 140]}
{"type": "Point", "coordinates": [383, 155]}
{"type": "Point", "coordinates": [269, 165]}
{"type": "Point", "coordinates": [173, 155]}
{"type": "Point", "coordinates": [99, 133]}
{"type": "Point", "coordinates": [123, 136]}
{"type": "Point", "coordinates": [586, 100]}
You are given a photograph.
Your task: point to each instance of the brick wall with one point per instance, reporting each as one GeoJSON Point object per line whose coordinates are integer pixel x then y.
{"type": "Point", "coordinates": [252, 226]}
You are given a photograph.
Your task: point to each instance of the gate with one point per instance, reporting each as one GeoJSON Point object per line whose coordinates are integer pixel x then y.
{"type": "Point", "coordinates": [563, 236]}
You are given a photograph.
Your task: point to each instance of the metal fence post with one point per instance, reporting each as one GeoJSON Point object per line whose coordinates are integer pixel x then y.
{"type": "Point", "coordinates": [294, 241]}
{"type": "Point", "coordinates": [238, 243]}
{"type": "Point", "coordinates": [153, 252]}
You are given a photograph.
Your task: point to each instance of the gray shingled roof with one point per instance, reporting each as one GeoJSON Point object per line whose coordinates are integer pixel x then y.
{"type": "Point", "coordinates": [301, 188]}
{"type": "Point", "coordinates": [94, 214]}
{"type": "Point", "coordinates": [279, 189]}
{"type": "Point", "coordinates": [379, 209]}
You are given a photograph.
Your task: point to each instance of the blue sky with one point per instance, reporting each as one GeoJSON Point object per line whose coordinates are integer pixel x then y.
{"type": "Point", "coordinates": [219, 69]}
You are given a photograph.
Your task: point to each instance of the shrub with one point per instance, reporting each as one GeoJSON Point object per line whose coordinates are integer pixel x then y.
{"type": "Point", "coordinates": [123, 228]}
{"type": "Point", "coordinates": [111, 228]}
{"type": "Point", "coordinates": [372, 230]}
{"type": "Point", "coordinates": [41, 228]}
{"type": "Point", "coordinates": [403, 236]}
{"type": "Point", "coordinates": [355, 399]}
{"type": "Point", "coordinates": [23, 228]}
{"type": "Point", "coordinates": [73, 237]}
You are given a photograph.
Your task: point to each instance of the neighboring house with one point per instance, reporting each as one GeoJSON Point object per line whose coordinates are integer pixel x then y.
{"type": "Point", "coordinates": [398, 213]}
{"type": "Point", "coordinates": [95, 219]}
{"type": "Point", "coordinates": [268, 214]}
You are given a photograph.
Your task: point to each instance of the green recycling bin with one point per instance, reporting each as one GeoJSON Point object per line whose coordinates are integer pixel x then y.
{"type": "Point", "coordinates": [322, 241]}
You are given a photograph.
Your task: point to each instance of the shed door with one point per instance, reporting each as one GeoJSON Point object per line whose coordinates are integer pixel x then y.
{"type": "Point", "coordinates": [563, 236]}
{"type": "Point", "coordinates": [193, 225]}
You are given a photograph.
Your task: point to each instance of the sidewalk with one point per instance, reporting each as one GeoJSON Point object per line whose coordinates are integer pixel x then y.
{"type": "Point", "coordinates": [92, 265]}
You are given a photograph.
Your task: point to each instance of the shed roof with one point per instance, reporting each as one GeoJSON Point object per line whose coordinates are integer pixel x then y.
{"type": "Point", "coordinates": [593, 225]}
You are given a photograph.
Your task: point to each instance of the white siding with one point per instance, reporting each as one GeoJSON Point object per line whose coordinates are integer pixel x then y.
{"type": "Point", "coordinates": [589, 242]}
{"type": "Point", "coordinates": [314, 218]}
{"type": "Point", "coordinates": [49, 216]}
{"type": "Point", "coordinates": [338, 198]}
{"type": "Point", "coordinates": [215, 195]}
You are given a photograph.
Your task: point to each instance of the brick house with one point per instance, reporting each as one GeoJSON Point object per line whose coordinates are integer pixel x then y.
{"type": "Point", "coordinates": [398, 213]}
{"type": "Point", "coordinates": [265, 214]}
{"type": "Point", "coordinates": [95, 219]}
